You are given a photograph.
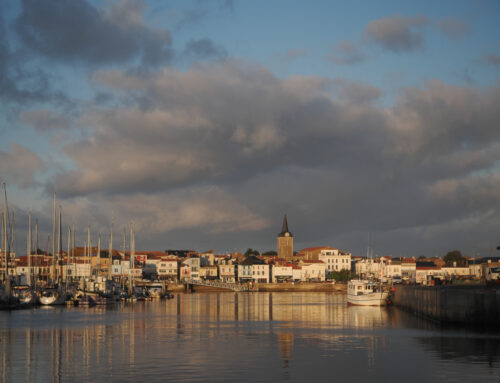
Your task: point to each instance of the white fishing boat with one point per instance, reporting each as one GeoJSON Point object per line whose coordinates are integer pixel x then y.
{"type": "Point", "coordinates": [366, 293]}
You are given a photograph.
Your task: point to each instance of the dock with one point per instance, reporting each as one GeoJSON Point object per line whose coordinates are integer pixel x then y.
{"type": "Point", "coordinates": [461, 304]}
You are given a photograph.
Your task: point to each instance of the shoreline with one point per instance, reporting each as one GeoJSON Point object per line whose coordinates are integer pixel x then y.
{"type": "Point", "coordinates": [270, 287]}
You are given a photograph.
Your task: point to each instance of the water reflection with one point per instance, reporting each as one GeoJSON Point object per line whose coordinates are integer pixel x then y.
{"type": "Point", "coordinates": [236, 337]}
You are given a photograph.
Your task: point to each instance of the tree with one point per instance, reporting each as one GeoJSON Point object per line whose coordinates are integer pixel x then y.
{"type": "Point", "coordinates": [270, 252]}
{"type": "Point", "coordinates": [250, 252]}
{"type": "Point", "coordinates": [454, 256]}
{"type": "Point", "coordinates": [341, 276]}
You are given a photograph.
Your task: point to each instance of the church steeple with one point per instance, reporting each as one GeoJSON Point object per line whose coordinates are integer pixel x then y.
{"type": "Point", "coordinates": [284, 229]}
{"type": "Point", "coordinates": [285, 242]}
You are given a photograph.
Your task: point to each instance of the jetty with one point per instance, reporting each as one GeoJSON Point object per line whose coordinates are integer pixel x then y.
{"type": "Point", "coordinates": [461, 304]}
{"type": "Point", "coordinates": [220, 285]}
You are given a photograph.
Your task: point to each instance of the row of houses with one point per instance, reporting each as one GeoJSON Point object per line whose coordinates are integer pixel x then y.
{"type": "Point", "coordinates": [423, 271]}
{"type": "Point", "coordinates": [312, 264]}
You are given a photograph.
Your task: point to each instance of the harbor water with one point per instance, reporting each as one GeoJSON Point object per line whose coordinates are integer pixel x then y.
{"type": "Point", "coordinates": [240, 337]}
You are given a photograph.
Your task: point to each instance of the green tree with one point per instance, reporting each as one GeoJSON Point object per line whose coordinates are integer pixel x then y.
{"type": "Point", "coordinates": [341, 276]}
{"type": "Point", "coordinates": [250, 252]}
{"type": "Point", "coordinates": [454, 256]}
{"type": "Point", "coordinates": [270, 252]}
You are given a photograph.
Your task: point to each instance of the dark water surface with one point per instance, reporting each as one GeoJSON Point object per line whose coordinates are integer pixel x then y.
{"type": "Point", "coordinates": [240, 337]}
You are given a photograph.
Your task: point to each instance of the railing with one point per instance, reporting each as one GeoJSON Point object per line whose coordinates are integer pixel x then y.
{"type": "Point", "coordinates": [222, 285]}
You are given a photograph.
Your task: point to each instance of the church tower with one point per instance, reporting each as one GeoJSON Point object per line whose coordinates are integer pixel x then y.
{"type": "Point", "coordinates": [285, 242]}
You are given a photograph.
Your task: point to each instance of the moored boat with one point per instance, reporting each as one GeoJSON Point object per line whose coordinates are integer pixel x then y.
{"type": "Point", "coordinates": [366, 293]}
{"type": "Point", "coordinates": [52, 297]}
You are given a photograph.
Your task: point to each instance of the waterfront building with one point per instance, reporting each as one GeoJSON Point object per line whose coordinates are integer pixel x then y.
{"type": "Point", "coordinates": [296, 273]}
{"type": "Point", "coordinates": [77, 270]}
{"type": "Point", "coordinates": [116, 269]}
{"type": "Point", "coordinates": [208, 272]}
{"type": "Point", "coordinates": [408, 269]}
{"type": "Point", "coordinates": [167, 269]}
{"type": "Point", "coordinates": [392, 268]}
{"type": "Point", "coordinates": [313, 271]}
{"type": "Point", "coordinates": [313, 253]}
{"type": "Point", "coordinates": [368, 268]}
{"type": "Point", "coordinates": [253, 269]}
{"type": "Point", "coordinates": [190, 268]}
{"type": "Point", "coordinates": [285, 242]}
{"type": "Point", "coordinates": [227, 272]}
{"type": "Point", "coordinates": [456, 271]}
{"type": "Point", "coordinates": [426, 269]}
{"type": "Point", "coordinates": [281, 272]}
{"type": "Point", "coordinates": [335, 260]}
{"type": "Point", "coordinates": [207, 258]}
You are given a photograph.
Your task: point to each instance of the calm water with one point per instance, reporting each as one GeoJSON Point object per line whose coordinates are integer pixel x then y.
{"type": "Point", "coordinates": [240, 337]}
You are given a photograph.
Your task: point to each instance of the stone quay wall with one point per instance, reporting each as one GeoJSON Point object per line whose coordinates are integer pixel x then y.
{"type": "Point", "coordinates": [451, 304]}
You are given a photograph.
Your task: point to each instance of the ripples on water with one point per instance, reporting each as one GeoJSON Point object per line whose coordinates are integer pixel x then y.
{"type": "Point", "coordinates": [240, 337]}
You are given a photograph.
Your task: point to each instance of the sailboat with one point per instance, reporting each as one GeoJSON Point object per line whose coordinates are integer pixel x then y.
{"type": "Point", "coordinates": [55, 296]}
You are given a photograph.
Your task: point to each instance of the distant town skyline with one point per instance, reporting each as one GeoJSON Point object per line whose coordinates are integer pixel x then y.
{"type": "Point", "coordinates": [203, 122]}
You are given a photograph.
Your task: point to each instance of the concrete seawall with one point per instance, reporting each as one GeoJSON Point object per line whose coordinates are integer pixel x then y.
{"type": "Point", "coordinates": [273, 287]}
{"type": "Point", "coordinates": [451, 304]}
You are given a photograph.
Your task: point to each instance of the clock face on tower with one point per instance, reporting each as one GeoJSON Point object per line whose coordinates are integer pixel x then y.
{"type": "Point", "coordinates": [287, 234]}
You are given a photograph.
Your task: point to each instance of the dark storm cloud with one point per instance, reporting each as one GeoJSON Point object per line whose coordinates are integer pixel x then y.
{"type": "Point", "coordinates": [397, 33]}
{"type": "Point", "coordinates": [453, 28]}
{"type": "Point", "coordinates": [76, 31]}
{"type": "Point", "coordinates": [203, 49]}
{"type": "Point", "coordinates": [18, 83]}
{"type": "Point", "coordinates": [346, 53]}
{"type": "Point", "coordinates": [233, 131]}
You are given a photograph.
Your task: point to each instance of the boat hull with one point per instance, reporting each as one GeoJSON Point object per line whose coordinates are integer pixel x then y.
{"type": "Point", "coordinates": [52, 300]}
{"type": "Point", "coordinates": [371, 299]}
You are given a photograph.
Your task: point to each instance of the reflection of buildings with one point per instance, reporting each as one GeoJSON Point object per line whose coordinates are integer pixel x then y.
{"type": "Point", "coordinates": [109, 343]}
{"type": "Point", "coordinates": [285, 346]}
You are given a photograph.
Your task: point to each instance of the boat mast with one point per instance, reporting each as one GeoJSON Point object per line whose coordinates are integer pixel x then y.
{"type": "Point", "coordinates": [67, 254]}
{"type": "Point", "coordinates": [11, 248]}
{"type": "Point", "coordinates": [73, 249]}
{"type": "Point", "coordinates": [89, 249]}
{"type": "Point", "coordinates": [5, 217]}
{"type": "Point", "coordinates": [60, 258]}
{"type": "Point", "coordinates": [98, 253]}
{"type": "Point", "coordinates": [110, 253]}
{"type": "Point", "coordinates": [53, 267]}
{"type": "Point", "coordinates": [29, 250]}
{"type": "Point", "coordinates": [132, 255]}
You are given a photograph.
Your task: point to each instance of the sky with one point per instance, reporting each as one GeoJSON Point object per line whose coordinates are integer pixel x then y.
{"type": "Point", "coordinates": [203, 122]}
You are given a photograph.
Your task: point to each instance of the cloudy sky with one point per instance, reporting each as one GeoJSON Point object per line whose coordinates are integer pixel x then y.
{"type": "Point", "coordinates": [204, 121]}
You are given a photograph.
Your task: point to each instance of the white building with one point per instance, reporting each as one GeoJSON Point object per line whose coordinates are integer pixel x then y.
{"type": "Point", "coordinates": [193, 268]}
{"type": "Point", "coordinates": [77, 270]}
{"type": "Point", "coordinates": [281, 273]}
{"type": "Point", "coordinates": [297, 273]}
{"type": "Point", "coordinates": [251, 270]}
{"type": "Point", "coordinates": [313, 271]}
{"type": "Point", "coordinates": [453, 272]}
{"type": "Point", "coordinates": [167, 269]}
{"type": "Point", "coordinates": [367, 268]}
{"type": "Point", "coordinates": [227, 273]}
{"type": "Point", "coordinates": [335, 260]}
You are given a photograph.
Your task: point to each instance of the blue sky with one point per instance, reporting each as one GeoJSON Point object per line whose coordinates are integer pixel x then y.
{"type": "Point", "coordinates": [204, 121]}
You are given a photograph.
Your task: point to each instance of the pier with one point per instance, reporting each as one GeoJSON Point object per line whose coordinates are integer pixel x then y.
{"type": "Point", "coordinates": [474, 304]}
{"type": "Point", "coordinates": [221, 285]}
